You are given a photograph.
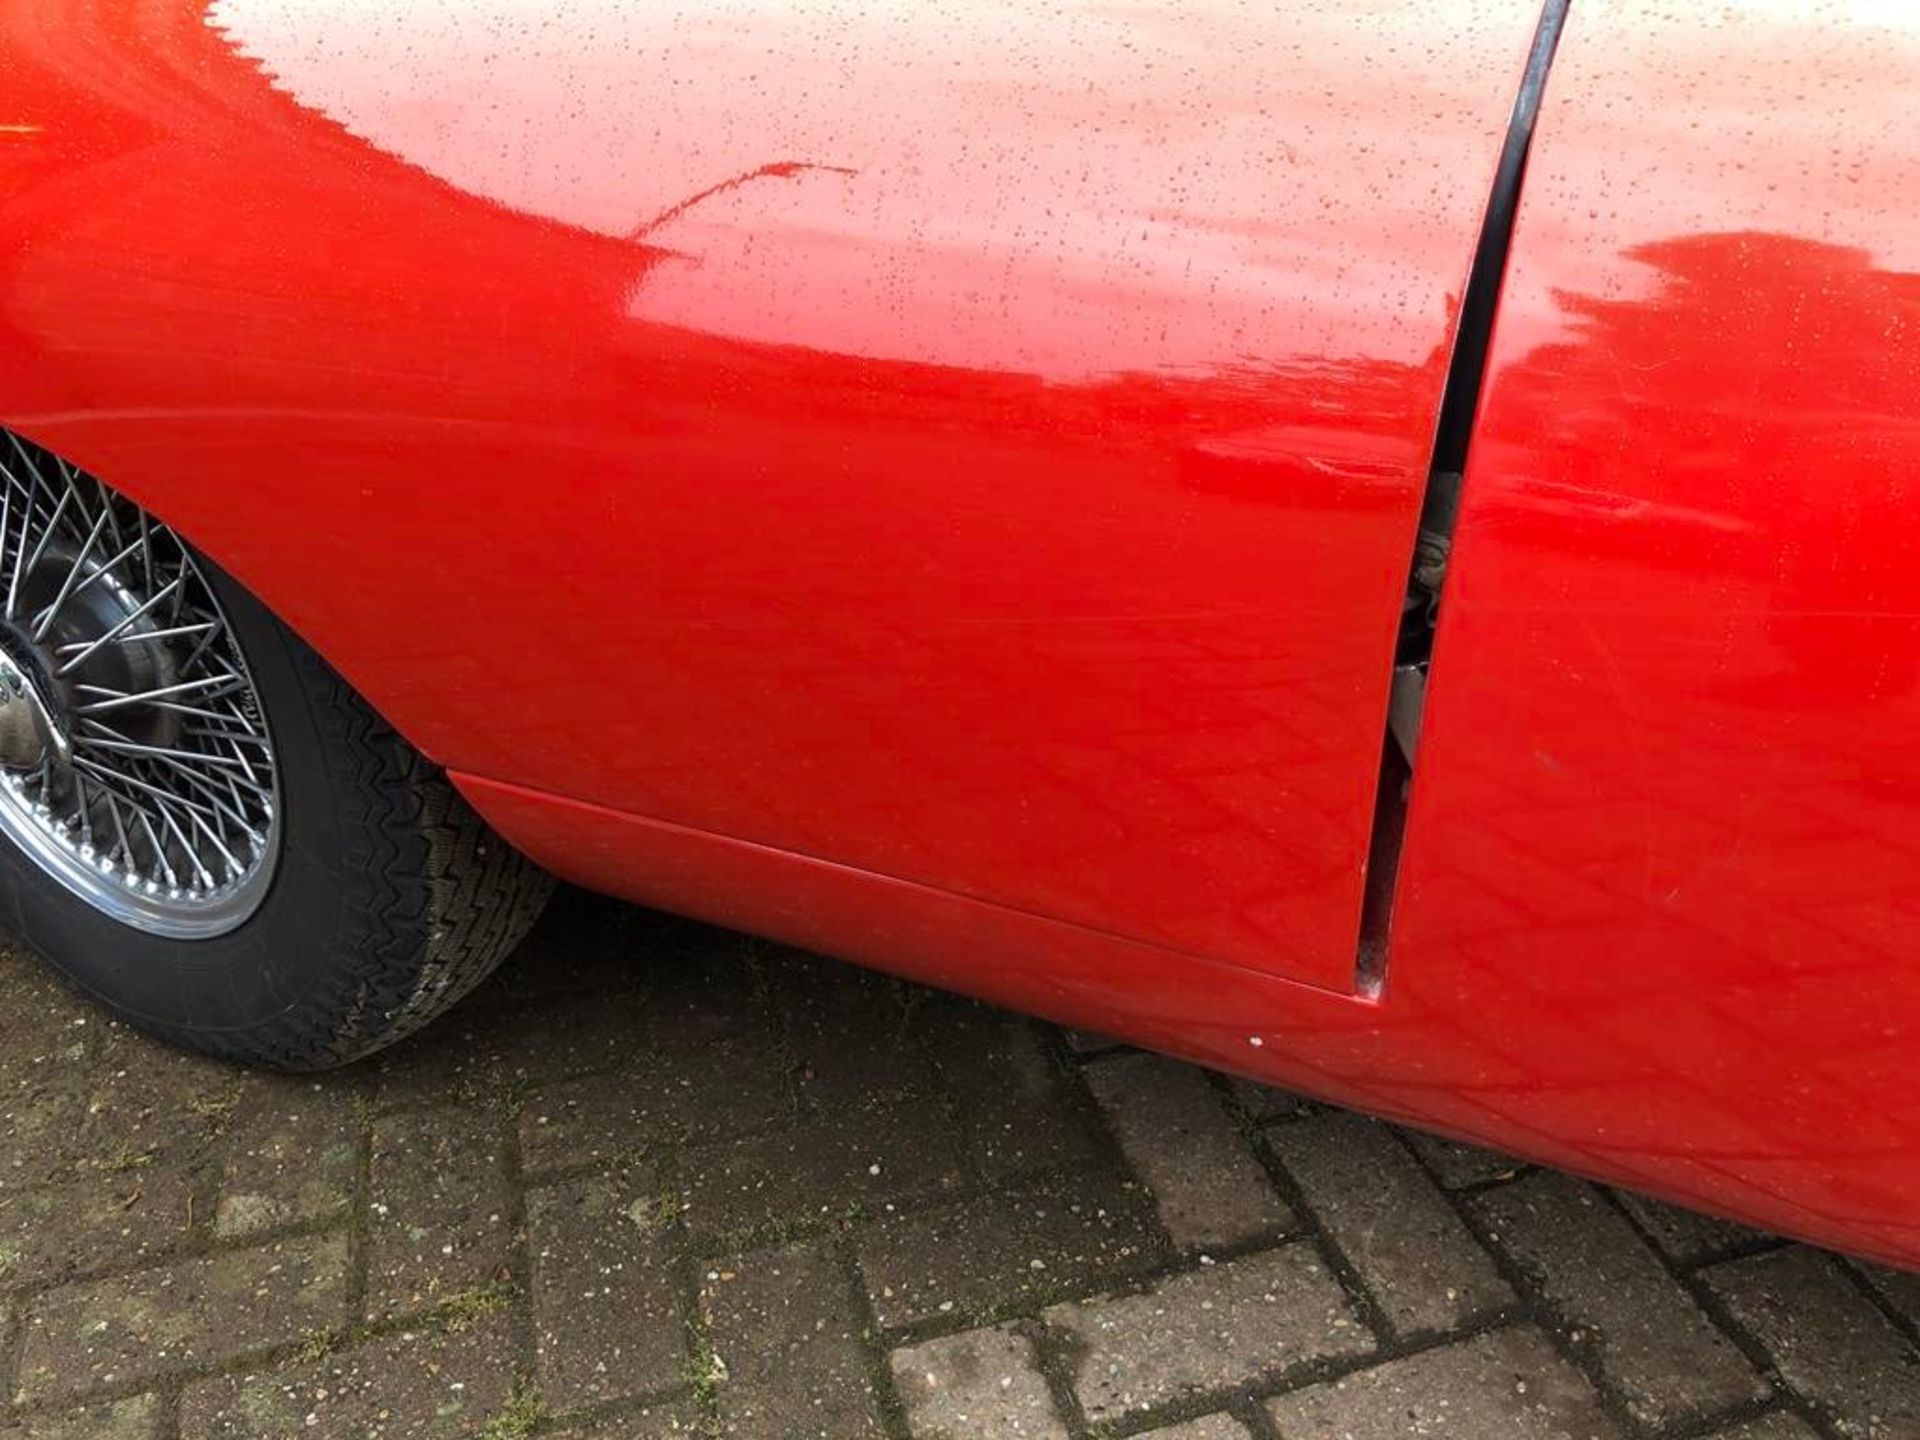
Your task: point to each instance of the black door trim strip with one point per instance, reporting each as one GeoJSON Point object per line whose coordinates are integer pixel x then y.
{"type": "Point", "coordinates": [1440, 504]}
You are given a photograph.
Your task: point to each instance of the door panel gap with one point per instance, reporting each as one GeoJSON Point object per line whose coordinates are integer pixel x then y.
{"type": "Point", "coordinates": [1440, 509]}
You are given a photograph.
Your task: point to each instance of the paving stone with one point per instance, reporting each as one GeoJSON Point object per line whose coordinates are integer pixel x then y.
{"type": "Point", "coordinates": [663, 987]}
{"type": "Point", "coordinates": [1179, 1139]}
{"type": "Point", "coordinates": [1688, 1237]}
{"type": "Point", "coordinates": [1900, 1289]}
{"type": "Point", "coordinates": [96, 1299]}
{"type": "Point", "coordinates": [699, 984]}
{"type": "Point", "coordinates": [148, 1099]}
{"type": "Point", "coordinates": [784, 1325]}
{"type": "Point", "coordinates": [1508, 1384]}
{"type": "Point", "coordinates": [417, 1385]}
{"type": "Point", "coordinates": [849, 1032]}
{"type": "Point", "coordinates": [192, 1313]}
{"type": "Point", "coordinates": [821, 1170]}
{"type": "Point", "coordinates": [973, 1385]}
{"type": "Point", "coordinates": [440, 1222]}
{"type": "Point", "coordinates": [1012, 1248]}
{"type": "Point", "coordinates": [1826, 1339]}
{"type": "Point", "coordinates": [94, 1096]}
{"type": "Point", "coordinates": [99, 1220]}
{"type": "Point", "coordinates": [481, 1052]}
{"type": "Point", "coordinates": [1213, 1328]}
{"type": "Point", "coordinates": [1086, 1042]}
{"type": "Point", "coordinates": [1652, 1342]}
{"type": "Point", "coordinates": [606, 1312]}
{"type": "Point", "coordinates": [725, 1089]}
{"type": "Point", "coordinates": [1208, 1427]}
{"type": "Point", "coordinates": [1415, 1257]}
{"type": "Point", "coordinates": [1265, 1104]}
{"type": "Point", "coordinates": [597, 985]}
{"type": "Point", "coordinates": [292, 1156]}
{"type": "Point", "coordinates": [1018, 1109]}
{"type": "Point", "coordinates": [50, 1055]}
{"type": "Point", "coordinates": [134, 1419]}
{"type": "Point", "coordinates": [1457, 1165]}
{"type": "Point", "coordinates": [1772, 1427]}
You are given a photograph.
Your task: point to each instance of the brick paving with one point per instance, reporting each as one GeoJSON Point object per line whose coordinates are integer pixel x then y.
{"type": "Point", "coordinates": [660, 1180]}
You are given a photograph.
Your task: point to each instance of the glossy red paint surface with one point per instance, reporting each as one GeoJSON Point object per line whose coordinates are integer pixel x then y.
{"type": "Point", "coordinates": [979, 446]}
{"type": "Point", "coordinates": [1669, 803]}
{"type": "Point", "coordinates": [935, 485]}
{"type": "Point", "coordinates": [1654, 914]}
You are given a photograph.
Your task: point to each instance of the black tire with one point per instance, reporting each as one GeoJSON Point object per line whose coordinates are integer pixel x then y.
{"type": "Point", "coordinates": [391, 898]}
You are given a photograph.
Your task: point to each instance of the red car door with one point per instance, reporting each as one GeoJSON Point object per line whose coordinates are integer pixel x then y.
{"type": "Point", "coordinates": [979, 445]}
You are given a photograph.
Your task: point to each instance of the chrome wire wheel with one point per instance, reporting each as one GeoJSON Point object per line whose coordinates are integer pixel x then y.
{"type": "Point", "coordinates": [136, 767]}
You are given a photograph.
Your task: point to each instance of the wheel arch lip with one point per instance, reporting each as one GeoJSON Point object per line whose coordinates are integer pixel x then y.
{"type": "Point", "coordinates": [214, 523]}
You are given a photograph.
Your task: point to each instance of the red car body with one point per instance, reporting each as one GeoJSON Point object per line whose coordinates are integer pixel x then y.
{"type": "Point", "coordinates": [936, 484]}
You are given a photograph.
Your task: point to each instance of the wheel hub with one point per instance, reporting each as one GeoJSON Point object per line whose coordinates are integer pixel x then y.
{"type": "Point", "coordinates": [29, 736]}
{"type": "Point", "coordinates": [135, 764]}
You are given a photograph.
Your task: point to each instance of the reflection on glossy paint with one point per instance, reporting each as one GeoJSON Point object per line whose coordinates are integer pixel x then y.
{"type": "Point", "coordinates": [1770, 117]}
{"type": "Point", "coordinates": [1812, 503]}
{"type": "Point", "coordinates": [1064, 189]}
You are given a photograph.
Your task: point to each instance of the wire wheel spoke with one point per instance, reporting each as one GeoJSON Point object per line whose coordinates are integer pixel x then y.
{"type": "Point", "coordinates": [158, 800]}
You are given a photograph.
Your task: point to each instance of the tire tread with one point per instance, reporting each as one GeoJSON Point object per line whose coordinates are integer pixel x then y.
{"type": "Point", "coordinates": [431, 899]}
